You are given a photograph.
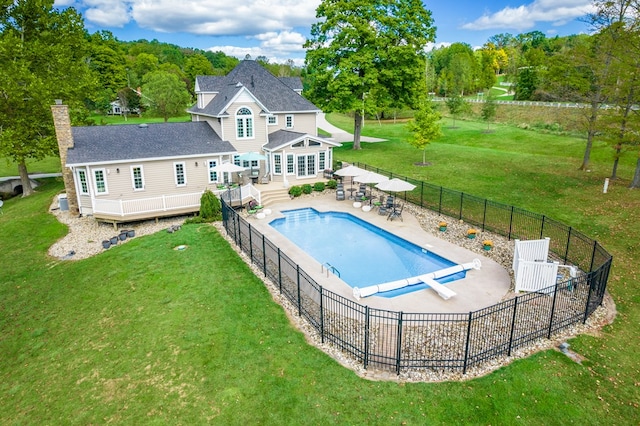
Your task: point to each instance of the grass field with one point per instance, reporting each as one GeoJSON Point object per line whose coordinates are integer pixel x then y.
{"type": "Point", "coordinates": [143, 334]}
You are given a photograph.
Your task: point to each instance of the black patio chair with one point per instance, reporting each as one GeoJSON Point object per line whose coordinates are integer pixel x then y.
{"type": "Point", "coordinates": [396, 213]}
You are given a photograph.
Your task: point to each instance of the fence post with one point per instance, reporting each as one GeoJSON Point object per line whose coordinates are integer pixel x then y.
{"type": "Point", "coordinates": [264, 258]}
{"type": "Point", "coordinates": [513, 325]}
{"type": "Point", "coordinates": [440, 202]}
{"type": "Point", "coordinates": [589, 295]}
{"type": "Point", "coordinates": [239, 239]}
{"type": "Point", "coordinates": [279, 270]}
{"type": "Point", "coordinates": [250, 244]}
{"type": "Point", "coordinates": [321, 315]}
{"type": "Point", "coordinates": [484, 214]}
{"type": "Point", "coordinates": [367, 326]}
{"type": "Point", "coordinates": [566, 251]}
{"type": "Point", "coordinates": [466, 346]}
{"type": "Point", "coordinates": [298, 280]}
{"type": "Point", "coordinates": [422, 193]}
{"type": "Point", "coordinates": [553, 309]}
{"type": "Point", "coordinates": [542, 226]}
{"type": "Point", "coordinates": [461, 201]}
{"type": "Point", "coordinates": [399, 343]}
{"type": "Point", "coordinates": [510, 224]}
{"type": "Point", "coordinates": [593, 255]}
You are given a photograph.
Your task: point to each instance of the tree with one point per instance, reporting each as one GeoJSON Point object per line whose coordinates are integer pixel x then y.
{"type": "Point", "coordinates": [488, 110]}
{"type": "Point", "coordinates": [165, 93]}
{"type": "Point", "coordinates": [364, 46]}
{"type": "Point", "coordinates": [43, 55]}
{"type": "Point", "coordinates": [456, 105]}
{"type": "Point", "coordinates": [425, 127]}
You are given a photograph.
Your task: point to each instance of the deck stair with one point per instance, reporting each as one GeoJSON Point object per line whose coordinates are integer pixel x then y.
{"type": "Point", "coordinates": [270, 196]}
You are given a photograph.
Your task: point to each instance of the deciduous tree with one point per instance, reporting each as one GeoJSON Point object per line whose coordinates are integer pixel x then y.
{"type": "Point", "coordinates": [43, 55]}
{"type": "Point", "coordinates": [364, 46]}
{"type": "Point", "coordinates": [425, 127]}
{"type": "Point", "coordinates": [165, 93]}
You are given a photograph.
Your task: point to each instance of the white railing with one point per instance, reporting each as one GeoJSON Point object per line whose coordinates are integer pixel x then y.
{"type": "Point", "coordinates": [163, 203]}
{"type": "Point", "coordinates": [167, 203]}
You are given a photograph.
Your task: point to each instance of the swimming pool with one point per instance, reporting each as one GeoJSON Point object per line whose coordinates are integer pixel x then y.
{"type": "Point", "coordinates": [362, 253]}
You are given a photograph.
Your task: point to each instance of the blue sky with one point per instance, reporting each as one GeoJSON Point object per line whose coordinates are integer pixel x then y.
{"type": "Point", "coordinates": [278, 28]}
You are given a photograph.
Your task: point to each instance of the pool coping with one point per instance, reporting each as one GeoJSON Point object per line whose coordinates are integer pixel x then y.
{"type": "Point", "coordinates": [480, 289]}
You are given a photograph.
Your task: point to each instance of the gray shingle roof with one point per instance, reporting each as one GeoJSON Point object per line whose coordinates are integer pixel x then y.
{"type": "Point", "coordinates": [269, 90]}
{"type": "Point", "coordinates": [101, 144]}
{"type": "Point", "coordinates": [294, 83]}
{"type": "Point", "coordinates": [281, 138]}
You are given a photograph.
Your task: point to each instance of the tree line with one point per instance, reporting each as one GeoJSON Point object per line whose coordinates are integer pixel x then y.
{"type": "Point", "coordinates": [362, 57]}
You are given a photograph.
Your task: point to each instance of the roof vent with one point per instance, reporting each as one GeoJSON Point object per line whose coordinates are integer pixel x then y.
{"type": "Point", "coordinates": [143, 125]}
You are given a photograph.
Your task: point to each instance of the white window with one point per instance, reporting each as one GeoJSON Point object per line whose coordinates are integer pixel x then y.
{"type": "Point", "coordinates": [100, 181]}
{"type": "Point", "coordinates": [314, 143]}
{"type": "Point", "coordinates": [236, 159]}
{"type": "Point", "coordinates": [290, 163]}
{"type": "Point", "coordinates": [288, 121]}
{"type": "Point", "coordinates": [306, 165]}
{"type": "Point", "coordinates": [244, 123]}
{"type": "Point", "coordinates": [277, 164]}
{"type": "Point", "coordinates": [298, 145]}
{"type": "Point", "coordinates": [82, 179]}
{"type": "Point", "coordinates": [137, 178]}
{"type": "Point", "coordinates": [272, 120]}
{"type": "Point", "coordinates": [213, 175]}
{"type": "Point", "coordinates": [322, 160]}
{"type": "Point", "coordinates": [180, 174]}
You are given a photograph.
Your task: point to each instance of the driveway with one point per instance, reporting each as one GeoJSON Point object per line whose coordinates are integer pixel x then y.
{"type": "Point", "coordinates": [340, 135]}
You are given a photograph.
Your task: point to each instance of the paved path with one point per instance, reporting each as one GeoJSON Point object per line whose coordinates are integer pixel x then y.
{"type": "Point", "coordinates": [32, 176]}
{"type": "Point", "coordinates": [340, 135]}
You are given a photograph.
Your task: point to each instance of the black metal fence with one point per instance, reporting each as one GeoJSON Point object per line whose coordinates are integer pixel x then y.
{"type": "Point", "coordinates": [441, 342]}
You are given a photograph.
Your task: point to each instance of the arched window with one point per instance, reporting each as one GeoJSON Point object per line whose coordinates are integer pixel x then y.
{"type": "Point", "coordinates": [244, 123]}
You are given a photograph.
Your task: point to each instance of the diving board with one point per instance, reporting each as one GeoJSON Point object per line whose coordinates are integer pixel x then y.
{"type": "Point", "coordinates": [428, 279]}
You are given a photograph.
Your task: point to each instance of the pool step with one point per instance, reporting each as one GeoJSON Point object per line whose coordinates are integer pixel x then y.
{"type": "Point", "coordinates": [271, 196]}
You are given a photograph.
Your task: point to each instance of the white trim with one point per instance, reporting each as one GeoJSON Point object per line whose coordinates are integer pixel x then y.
{"type": "Point", "coordinates": [286, 121]}
{"type": "Point", "coordinates": [86, 181]}
{"type": "Point", "coordinates": [248, 122]}
{"type": "Point", "coordinates": [133, 177]}
{"type": "Point", "coordinates": [144, 160]}
{"type": "Point", "coordinates": [209, 167]}
{"type": "Point", "coordinates": [184, 173]}
{"type": "Point", "coordinates": [104, 180]}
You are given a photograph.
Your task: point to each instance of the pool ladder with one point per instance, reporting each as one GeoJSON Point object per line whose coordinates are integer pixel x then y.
{"type": "Point", "coordinates": [329, 268]}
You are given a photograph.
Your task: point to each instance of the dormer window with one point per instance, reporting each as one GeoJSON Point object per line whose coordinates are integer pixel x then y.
{"type": "Point", "coordinates": [244, 123]}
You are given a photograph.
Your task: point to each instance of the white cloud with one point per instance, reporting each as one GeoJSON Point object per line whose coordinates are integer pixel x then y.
{"type": "Point", "coordinates": [277, 47]}
{"type": "Point", "coordinates": [202, 17]}
{"type": "Point", "coordinates": [110, 13]}
{"type": "Point", "coordinates": [525, 17]}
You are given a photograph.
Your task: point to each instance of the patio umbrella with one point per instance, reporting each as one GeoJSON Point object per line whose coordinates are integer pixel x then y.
{"type": "Point", "coordinates": [370, 177]}
{"type": "Point", "coordinates": [395, 185]}
{"type": "Point", "coordinates": [227, 168]}
{"type": "Point", "coordinates": [350, 171]}
{"type": "Point", "coordinates": [250, 157]}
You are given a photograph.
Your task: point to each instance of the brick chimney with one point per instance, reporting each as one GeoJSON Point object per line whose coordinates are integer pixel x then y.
{"type": "Point", "coordinates": [62, 124]}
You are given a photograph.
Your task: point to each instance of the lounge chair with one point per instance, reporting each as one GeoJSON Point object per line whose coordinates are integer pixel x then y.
{"type": "Point", "coordinates": [340, 195]}
{"type": "Point", "coordinates": [396, 213]}
{"type": "Point", "coordinates": [362, 191]}
{"type": "Point", "coordinates": [253, 207]}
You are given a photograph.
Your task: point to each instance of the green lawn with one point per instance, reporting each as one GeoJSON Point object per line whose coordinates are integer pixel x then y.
{"type": "Point", "coordinates": [144, 334]}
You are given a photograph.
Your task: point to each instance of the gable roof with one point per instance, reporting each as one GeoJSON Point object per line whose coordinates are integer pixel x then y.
{"type": "Point", "coordinates": [106, 144]}
{"type": "Point", "coordinates": [281, 138]}
{"type": "Point", "coordinates": [270, 91]}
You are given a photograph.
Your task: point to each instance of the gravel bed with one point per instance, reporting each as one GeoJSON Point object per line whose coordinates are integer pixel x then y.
{"type": "Point", "coordinates": [85, 237]}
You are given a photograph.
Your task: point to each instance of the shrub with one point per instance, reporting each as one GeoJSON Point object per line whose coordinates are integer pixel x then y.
{"type": "Point", "coordinates": [295, 191]}
{"type": "Point", "coordinates": [307, 188]}
{"type": "Point", "coordinates": [332, 184]}
{"type": "Point", "coordinates": [318, 186]}
{"type": "Point", "coordinates": [210, 208]}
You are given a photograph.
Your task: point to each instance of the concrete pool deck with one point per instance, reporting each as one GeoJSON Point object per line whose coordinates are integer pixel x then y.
{"type": "Point", "coordinates": [480, 288]}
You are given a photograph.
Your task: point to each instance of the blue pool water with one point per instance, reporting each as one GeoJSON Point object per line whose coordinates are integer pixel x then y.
{"type": "Point", "coordinates": [362, 253]}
